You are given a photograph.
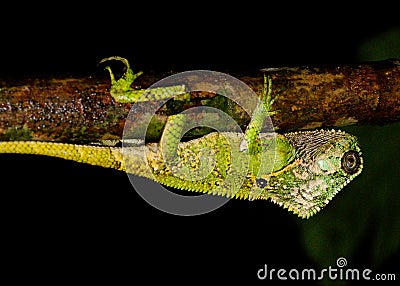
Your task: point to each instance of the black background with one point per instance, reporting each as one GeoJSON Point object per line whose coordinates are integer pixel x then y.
{"type": "Point", "coordinates": [65, 221]}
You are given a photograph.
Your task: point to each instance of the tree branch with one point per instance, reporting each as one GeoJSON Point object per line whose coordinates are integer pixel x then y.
{"type": "Point", "coordinates": [82, 110]}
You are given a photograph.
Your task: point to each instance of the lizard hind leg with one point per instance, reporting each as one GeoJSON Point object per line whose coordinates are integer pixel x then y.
{"type": "Point", "coordinates": [122, 91]}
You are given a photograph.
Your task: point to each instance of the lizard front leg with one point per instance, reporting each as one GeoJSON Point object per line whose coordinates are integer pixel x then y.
{"type": "Point", "coordinates": [260, 113]}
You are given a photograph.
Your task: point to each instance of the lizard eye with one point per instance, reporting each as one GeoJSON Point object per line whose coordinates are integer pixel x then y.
{"type": "Point", "coordinates": [351, 162]}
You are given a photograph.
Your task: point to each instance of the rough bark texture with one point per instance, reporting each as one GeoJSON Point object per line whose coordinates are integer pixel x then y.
{"type": "Point", "coordinates": [82, 110]}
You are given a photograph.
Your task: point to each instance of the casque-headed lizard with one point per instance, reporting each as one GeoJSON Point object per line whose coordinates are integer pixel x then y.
{"type": "Point", "coordinates": [301, 171]}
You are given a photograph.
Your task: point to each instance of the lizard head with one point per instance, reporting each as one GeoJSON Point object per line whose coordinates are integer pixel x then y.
{"type": "Point", "coordinates": [324, 163]}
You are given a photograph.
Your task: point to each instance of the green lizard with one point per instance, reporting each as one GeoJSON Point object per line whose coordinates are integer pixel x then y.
{"type": "Point", "coordinates": [300, 171]}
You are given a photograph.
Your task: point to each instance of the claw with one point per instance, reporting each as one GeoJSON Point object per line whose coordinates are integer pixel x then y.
{"type": "Point", "coordinates": [117, 58]}
{"type": "Point", "coordinates": [267, 94]}
{"type": "Point", "coordinates": [111, 74]}
{"type": "Point", "coordinates": [128, 78]}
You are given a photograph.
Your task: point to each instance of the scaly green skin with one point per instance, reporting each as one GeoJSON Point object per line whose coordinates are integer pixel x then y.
{"type": "Point", "coordinates": [301, 171]}
{"type": "Point", "coordinates": [121, 91]}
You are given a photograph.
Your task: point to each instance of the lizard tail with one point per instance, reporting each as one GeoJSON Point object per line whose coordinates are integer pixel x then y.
{"type": "Point", "coordinates": [107, 157]}
{"type": "Point", "coordinates": [133, 160]}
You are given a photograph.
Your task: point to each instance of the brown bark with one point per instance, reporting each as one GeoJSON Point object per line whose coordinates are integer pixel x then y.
{"type": "Point", "coordinates": [82, 110]}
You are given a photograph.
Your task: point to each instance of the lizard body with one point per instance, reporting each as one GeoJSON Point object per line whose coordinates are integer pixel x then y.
{"type": "Point", "coordinates": [303, 184]}
{"type": "Point", "coordinates": [301, 171]}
